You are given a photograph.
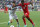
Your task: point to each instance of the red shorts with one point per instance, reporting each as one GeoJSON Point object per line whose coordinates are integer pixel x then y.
{"type": "Point", "coordinates": [27, 15]}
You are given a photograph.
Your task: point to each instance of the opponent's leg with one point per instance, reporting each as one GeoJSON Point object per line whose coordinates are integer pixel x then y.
{"type": "Point", "coordinates": [17, 23]}
{"type": "Point", "coordinates": [24, 21]}
{"type": "Point", "coordinates": [27, 16]}
{"type": "Point", "coordinates": [15, 17]}
{"type": "Point", "coordinates": [10, 20]}
{"type": "Point", "coordinates": [30, 20]}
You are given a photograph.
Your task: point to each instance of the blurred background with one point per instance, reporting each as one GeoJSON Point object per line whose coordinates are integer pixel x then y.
{"type": "Point", "coordinates": [36, 4]}
{"type": "Point", "coordinates": [34, 13]}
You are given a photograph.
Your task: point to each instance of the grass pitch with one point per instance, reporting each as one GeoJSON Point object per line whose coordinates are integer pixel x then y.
{"type": "Point", "coordinates": [34, 15]}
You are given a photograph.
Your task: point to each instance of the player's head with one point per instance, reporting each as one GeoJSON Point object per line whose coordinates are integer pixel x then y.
{"type": "Point", "coordinates": [13, 3]}
{"type": "Point", "coordinates": [22, 2]}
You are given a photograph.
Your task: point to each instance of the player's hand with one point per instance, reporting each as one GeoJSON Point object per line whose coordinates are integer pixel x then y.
{"type": "Point", "coordinates": [32, 7]}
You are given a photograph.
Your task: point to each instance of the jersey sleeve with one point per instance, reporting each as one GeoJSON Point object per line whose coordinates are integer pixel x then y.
{"type": "Point", "coordinates": [28, 3]}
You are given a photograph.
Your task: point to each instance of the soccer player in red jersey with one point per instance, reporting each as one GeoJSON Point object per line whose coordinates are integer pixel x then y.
{"type": "Point", "coordinates": [26, 12]}
{"type": "Point", "coordinates": [6, 9]}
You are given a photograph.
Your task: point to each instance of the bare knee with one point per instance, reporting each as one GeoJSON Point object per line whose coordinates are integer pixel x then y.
{"type": "Point", "coordinates": [10, 21]}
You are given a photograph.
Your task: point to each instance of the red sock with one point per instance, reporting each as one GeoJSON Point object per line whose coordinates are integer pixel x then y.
{"type": "Point", "coordinates": [24, 21]}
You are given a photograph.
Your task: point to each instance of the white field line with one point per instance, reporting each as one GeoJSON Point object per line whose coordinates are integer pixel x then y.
{"type": "Point", "coordinates": [4, 23]}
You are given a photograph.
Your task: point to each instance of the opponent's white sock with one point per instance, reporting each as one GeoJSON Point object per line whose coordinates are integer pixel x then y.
{"type": "Point", "coordinates": [8, 22]}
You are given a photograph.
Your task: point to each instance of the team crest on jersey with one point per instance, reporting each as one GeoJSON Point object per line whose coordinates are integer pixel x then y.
{"type": "Point", "coordinates": [25, 5]}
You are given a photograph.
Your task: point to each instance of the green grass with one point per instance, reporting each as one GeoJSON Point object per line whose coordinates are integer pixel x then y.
{"type": "Point", "coordinates": [34, 15]}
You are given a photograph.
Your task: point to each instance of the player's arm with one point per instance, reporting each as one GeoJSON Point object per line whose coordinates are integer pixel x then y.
{"type": "Point", "coordinates": [13, 8]}
{"type": "Point", "coordinates": [18, 4]}
{"type": "Point", "coordinates": [18, 8]}
{"type": "Point", "coordinates": [28, 3]}
{"type": "Point", "coordinates": [31, 2]}
{"type": "Point", "coordinates": [9, 8]}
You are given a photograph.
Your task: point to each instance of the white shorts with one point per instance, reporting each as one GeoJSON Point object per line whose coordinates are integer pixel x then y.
{"type": "Point", "coordinates": [13, 17]}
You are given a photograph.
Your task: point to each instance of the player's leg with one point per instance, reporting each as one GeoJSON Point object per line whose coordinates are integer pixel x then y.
{"type": "Point", "coordinates": [24, 21]}
{"type": "Point", "coordinates": [17, 23]}
{"type": "Point", "coordinates": [10, 19]}
{"type": "Point", "coordinates": [27, 16]}
{"type": "Point", "coordinates": [15, 17]}
{"type": "Point", "coordinates": [30, 21]}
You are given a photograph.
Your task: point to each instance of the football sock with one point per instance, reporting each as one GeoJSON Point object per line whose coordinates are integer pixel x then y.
{"type": "Point", "coordinates": [24, 21]}
{"type": "Point", "coordinates": [18, 24]}
{"type": "Point", "coordinates": [25, 25]}
{"type": "Point", "coordinates": [8, 22]}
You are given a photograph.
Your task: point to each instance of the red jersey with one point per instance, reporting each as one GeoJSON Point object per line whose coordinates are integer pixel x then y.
{"type": "Point", "coordinates": [6, 8]}
{"type": "Point", "coordinates": [24, 7]}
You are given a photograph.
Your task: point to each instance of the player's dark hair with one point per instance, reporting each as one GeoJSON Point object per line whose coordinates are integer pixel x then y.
{"type": "Point", "coordinates": [22, 1]}
{"type": "Point", "coordinates": [13, 2]}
